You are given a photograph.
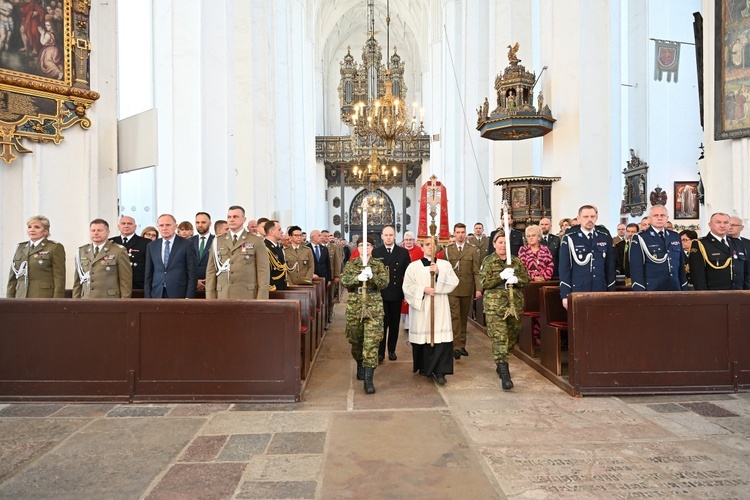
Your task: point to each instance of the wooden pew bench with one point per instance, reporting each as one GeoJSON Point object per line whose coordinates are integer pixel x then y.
{"type": "Point", "coordinates": [150, 350]}
{"type": "Point", "coordinates": [306, 297]}
{"type": "Point", "coordinates": [531, 314]}
{"type": "Point", "coordinates": [659, 342]}
{"type": "Point", "coordinates": [554, 324]}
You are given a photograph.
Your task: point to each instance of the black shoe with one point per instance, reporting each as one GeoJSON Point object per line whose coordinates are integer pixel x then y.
{"type": "Point", "coordinates": [360, 370]}
{"type": "Point", "coordinates": [381, 357]}
{"type": "Point", "coordinates": [456, 354]}
{"type": "Point", "coordinates": [392, 356]}
{"type": "Point", "coordinates": [464, 352]}
{"type": "Point", "coordinates": [439, 378]}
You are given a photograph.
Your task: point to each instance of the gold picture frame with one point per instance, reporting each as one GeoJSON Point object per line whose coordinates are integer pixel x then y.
{"type": "Point", "coordinates": [44, 71]}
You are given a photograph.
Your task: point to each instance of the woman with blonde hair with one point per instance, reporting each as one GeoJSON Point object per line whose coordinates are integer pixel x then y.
{"type": "Point", "coordinates": [537, 259]}
{"type": "Point", "coordinates": [564, 225]}
{"type": "Point", "coordinates": [150, 233]}
{"type": "Point", "coordinates": [38, 267]}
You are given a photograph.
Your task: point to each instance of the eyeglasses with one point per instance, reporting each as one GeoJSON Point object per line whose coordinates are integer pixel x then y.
{"type": "Point", "coordinates": [737, 225]}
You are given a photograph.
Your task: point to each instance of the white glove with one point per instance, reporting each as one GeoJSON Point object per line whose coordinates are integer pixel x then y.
{"type": "Point", "coordinates": [368, 272]}
{"type": "Point", "coordinates": [362, 276]}
{"type": "Point", "coordinates": [507, 273]}
{"type": "Point", "coordinates": [512, 280]}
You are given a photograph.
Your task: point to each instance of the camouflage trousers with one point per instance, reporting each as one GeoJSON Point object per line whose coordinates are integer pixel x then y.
{"type": "Point", "coordinates": [503, 333]}
{"type": "Point", "coordinates": [364, 335]}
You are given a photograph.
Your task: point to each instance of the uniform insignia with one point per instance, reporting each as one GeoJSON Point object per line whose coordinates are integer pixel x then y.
{"type": "Point", "coordinates": [602, 243]}
{"type": "Point", "coordinates": [107, 268]}
{"type": "Point", "coordinates": [45, 252]}
{"type": "Point", "coordinates": [41, 262]}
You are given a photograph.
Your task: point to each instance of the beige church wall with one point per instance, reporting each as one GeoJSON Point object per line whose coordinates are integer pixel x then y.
{"type": "Point", "coordinates": [75, 181]}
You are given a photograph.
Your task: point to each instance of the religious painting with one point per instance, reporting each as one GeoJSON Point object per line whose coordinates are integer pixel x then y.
{"type": "Point", "coordinates": [518, 197]}
{"type": "Point", "coordinates": [732, 70]}
{"type": "Point", "coordinates": [686, 204]}
{"type": "Point", "coordinates": [44, 71]}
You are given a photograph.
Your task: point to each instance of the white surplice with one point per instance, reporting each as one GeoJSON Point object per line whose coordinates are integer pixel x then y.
{"type": "Point", "coordinates": [416, 279]}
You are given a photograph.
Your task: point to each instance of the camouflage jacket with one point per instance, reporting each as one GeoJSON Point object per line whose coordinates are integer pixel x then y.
{"type": "Point", "coordinates": [372, 306]}
{"type": "Point", "coordinates": [496, 296]}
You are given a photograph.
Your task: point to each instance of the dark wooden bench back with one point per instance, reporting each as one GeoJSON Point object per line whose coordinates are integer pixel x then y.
{"type": "Point", "coordinates": [531, 295]}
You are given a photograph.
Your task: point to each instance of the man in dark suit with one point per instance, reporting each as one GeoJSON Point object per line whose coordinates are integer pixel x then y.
{"type": "Point", "coordinates": [396, 260]}
{"type": "Point", "coordinates": [322, 261]}
{"type": "Point", "coordinates": [516, 238]}
{"type": "Point", "coordinates": [171, 263]}
{"type": "Point", "coordinates": [202, 243]}
{"type": "Point", "coordinates": [551, 241]}
{"type": "Point", "coordinates": [719, 262]}
{"type": "Point", "coordinates": [622, 251]}
{"type": "Point", "coordinates": [136, 247]}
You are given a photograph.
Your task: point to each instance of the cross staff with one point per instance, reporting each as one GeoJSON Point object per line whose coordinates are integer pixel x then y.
{"type": "Point", "coordinates": [365, 208]}
{"type": "Point", "coordinates": [433, 200]}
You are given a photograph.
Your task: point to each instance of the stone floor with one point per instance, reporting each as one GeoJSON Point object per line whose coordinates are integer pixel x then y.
{"type": "Point", "coordinates": [412, 439]}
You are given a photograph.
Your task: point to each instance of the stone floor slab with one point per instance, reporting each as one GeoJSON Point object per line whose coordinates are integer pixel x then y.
{"type": "Point", "coordinates": [203, 449]}
{"type": "Point", "coordinates": [30, 410]}
{"type": "Point", "coordinates": [684, 469]}
{"type": "Point", "coordinates": [242, 447]}
{"type": "Point", "coordinates": [297, 443]}
{"type": "Point", "coordinates": [197, 410]}
{"type": "Point", "coordinates": [24, 440]}
{"type": "Point", "coordinates": [667, 408]}
{"type": "Point", "coordinates": [139, 411]}
{"type": "Point", "coordinates": [85, 410]}
{"type": "Point", "coordinates": [299, 421]}
{"type": "Point", "coordinates": [284, 468]}
{"type": "Point", "coordinates": [277, 489]}
{"type": "Point", "coordinates": [198, 481]}
{"type": "Point", "coordinates": [109, 458]}
{"type": "Point", "coordinates": [238, 423]}
{"type": "Point", "coordinates": [706, 409]}
{"type": "Point", "coordinates": [438, 462]}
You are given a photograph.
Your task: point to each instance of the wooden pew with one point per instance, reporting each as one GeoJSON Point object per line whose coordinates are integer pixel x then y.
{"type": "Point", "coordinates": [659, 342]}
{"type": "Point", "coordinates": [150, 350]}
{"type": "Point", "coordinates": [321, 309]}
{"type": "Point", "coordinates": [306, 296]}
{"type": "Point", "coordinates": [531, 313]}
{"type": "Point", "coordinates": [554, 323]}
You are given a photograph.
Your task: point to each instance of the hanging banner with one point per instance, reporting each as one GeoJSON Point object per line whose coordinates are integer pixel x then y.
{"type": "Point", "coordinates": [666, 59]}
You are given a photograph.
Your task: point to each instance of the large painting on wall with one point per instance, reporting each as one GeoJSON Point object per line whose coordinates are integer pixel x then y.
{"type": "Point", "coordinates": [44, 71]}
{"type": "Point", "coordinates": [732, 92]}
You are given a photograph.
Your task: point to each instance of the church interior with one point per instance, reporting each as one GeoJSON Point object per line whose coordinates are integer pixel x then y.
{"type": "Point", "coordinates": [304, 111]}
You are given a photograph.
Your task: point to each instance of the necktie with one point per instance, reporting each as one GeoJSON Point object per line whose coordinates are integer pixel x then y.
{"type": "Point", "coordinates": [96, 251]}
{"type": "Point", "coordinates": [234, 240]}
{"type": "Point", "coordinates": [317, 252]}
{"type": "Point", "coordinates": [166, 252]}
{"type": "Point", "coordinates": [591, 237]}
{"type": "Point", "coordinates": [661, 235]}
{"type": "Point", "coordinates": [460, 249]}
{"type": "Point", "coordinates": [124, 241]}
{"type": "Point", "coordinates": [389, 250]}
{"type": "Point", "coordinates": [724, 242]}
{"type": "Point", "coordinates": [202, 247]}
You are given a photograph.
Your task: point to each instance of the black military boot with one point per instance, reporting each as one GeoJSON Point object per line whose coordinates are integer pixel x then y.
{"type": "Point", "coordinates": [369, 387]}
{"type": "Point", "coordinates": [360, 370]}
{"type": "Point", "coordinates": [504, 372]}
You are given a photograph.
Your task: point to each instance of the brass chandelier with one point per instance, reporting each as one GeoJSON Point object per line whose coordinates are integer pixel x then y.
{"type": "Point", "coordinates": [373, 97]}
{"type": "Point", "coordinates": [375, 175]}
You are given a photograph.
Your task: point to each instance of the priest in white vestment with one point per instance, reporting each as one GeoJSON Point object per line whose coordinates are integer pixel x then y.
{"type": "Point", "coordinates": [432, 361]}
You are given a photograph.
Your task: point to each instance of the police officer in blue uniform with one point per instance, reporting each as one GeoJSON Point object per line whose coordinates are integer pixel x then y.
{"type": "Point", "coordinates": [657, 262]}
{"type": "Point", "coordinates": [717, 261]}
{"type": "Point", "coordinates": [587, 262]}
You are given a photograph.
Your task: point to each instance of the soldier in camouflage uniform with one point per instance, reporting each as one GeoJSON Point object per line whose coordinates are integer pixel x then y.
{"type": "Point", "coordinates": [364, 311]}
{"type": "Point", "coordinates": [502, 328]}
